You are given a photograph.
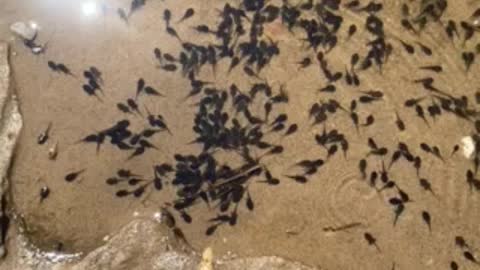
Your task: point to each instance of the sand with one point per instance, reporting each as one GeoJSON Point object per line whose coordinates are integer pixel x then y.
{"type": "Point", "coordinates": [288, 219]}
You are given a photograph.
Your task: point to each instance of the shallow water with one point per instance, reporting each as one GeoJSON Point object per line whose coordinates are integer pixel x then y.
{"type": "Point", "coordinates": [288, 219]}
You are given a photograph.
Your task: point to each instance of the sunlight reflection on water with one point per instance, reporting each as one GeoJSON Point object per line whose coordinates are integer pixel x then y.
{"type": "Point", "coordinates": [90, 8]}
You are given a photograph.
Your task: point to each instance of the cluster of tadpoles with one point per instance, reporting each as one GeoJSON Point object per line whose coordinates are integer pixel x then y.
{"type": "Point", "coordinates": [244, 134]}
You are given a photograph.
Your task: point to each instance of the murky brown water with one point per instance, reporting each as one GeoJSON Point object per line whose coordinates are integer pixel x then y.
{"type": "Point", "coordinates": [80, 214]}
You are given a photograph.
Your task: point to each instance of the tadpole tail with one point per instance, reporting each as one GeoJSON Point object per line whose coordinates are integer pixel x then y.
{"type": "Point", "coordinates": [99, 99]}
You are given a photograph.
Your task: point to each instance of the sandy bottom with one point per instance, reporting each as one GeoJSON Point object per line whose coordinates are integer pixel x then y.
{"type": "Point", "coordinates": [289, 220]}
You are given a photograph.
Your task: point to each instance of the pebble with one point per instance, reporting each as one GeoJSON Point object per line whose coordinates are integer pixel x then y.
{"type": "Point", "coordinates": [23, 30]}
{"type": "Point", "coordinates": [52, 152]}
{"type": "Point", "coordinates": [468, 146]}
{"type": "Point", "coordinates": [207, 260]}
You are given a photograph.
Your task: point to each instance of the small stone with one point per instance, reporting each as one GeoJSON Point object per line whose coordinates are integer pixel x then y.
{"type": "Point", "coordinates": [106, 238]}
{"type": "Point", "coordinates": [468, 146]}
{"type": "Point", "coordinates": [3, 252]}
{"type": "Point", "coordinates": [23, 30]}
{"type": "Point", "coordinates": [53, 152]}
{"type": "Point", "coordinates": [207, 260]}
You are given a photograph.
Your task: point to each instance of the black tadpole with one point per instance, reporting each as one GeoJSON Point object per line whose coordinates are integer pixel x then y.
{"type": "Point", "coordinates": [73, 175]}
{"type": "Point", "coordinates": [89, 90]}
{"type": "Point", "coordinates": [44, 192]}
{"type": "Point", "coordinates": [123, 15]}
{"type": "Point", "coordinates": [427, 219]}
{"type": "Point", "coordinates": [398, 211]}
{"type": "Point", "coordinates": [188, 14]}
{"type": "Point", "coordinates": [45, 135]}
{"type": "Point", "coordinates": [469, 256]}
{"type": "Point", "coordinates": [134, 106]}
{"type": "Point", "coordinates": [371, 240]}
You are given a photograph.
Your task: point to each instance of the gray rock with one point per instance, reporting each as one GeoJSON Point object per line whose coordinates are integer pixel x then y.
{"type": "Point", "coordinates": [174, 261]}
{"type": "Point", "coordinates": [147, 245]}
{"type": "Point", "coordinates": [4, 77]}
{"type": "Point", "coordinates": [10, 119]}
{"type": "Point", "coordinates": [261, 263]}
{"type": "Point", "coordinates": [10, 123]}
{"type": "Point", "coordinates": [142, 244]}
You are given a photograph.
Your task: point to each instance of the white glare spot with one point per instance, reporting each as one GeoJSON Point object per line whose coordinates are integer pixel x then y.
{"type": "Point", "coordinates": [33, 25]}
{"type": "Point", "coordinates": [89, 8]}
